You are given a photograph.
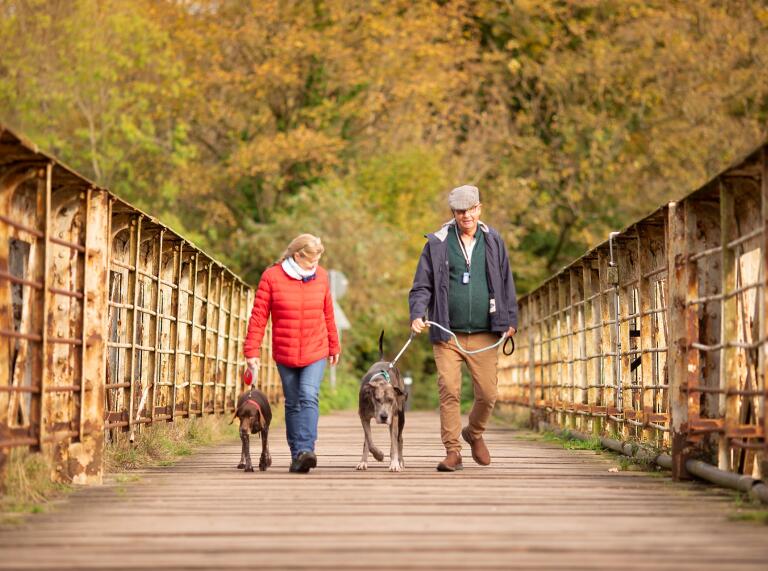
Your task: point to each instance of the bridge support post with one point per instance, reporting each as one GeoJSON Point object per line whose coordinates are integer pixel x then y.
{"type": "Point", "coordinates": [763, 465]}
{"type": "Point", "coordinates": [683, 364]}
{"type": "Point", "coordinates": [85, 456]}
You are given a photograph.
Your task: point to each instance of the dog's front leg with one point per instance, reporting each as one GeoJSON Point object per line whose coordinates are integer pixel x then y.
{"type": "Point", "coordinates": [363, 464]}
{"type": "Point", "coordinates": [378, 454]}
{"type": "Point", "coordinates": [241, 465]}
{"type": "Point", "coordinates": [265, 461]}
{"type": "Point", "coordinates": [246, 448]}
{"type": "Point", "coordinates": [394, 448]}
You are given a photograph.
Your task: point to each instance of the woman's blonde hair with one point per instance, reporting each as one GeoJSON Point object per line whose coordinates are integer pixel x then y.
{"type": "Point", "coordinates": [307, 245]}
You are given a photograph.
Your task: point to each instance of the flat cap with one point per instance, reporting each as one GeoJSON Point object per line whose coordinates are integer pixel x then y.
{"type": "Point", "coordinates": [463, 197]}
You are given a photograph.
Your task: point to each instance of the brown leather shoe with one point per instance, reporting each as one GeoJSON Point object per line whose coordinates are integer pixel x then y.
{"type": "Point", "coordinates": [451, 463]}
{"type": "Point", "coordinates": [480, 453]}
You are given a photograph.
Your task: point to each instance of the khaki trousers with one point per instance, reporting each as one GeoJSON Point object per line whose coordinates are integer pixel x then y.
{"type": "Point", "coordinates": [482, 367]}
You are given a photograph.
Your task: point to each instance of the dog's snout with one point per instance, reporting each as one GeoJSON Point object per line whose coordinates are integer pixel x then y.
{"type": "Point", "coordinates": [383, 417]}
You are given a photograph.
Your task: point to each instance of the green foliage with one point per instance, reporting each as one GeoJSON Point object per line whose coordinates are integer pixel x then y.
{"type": "Point", "coordinates": [243, 124]}
{"type": "Point", "coordinates": [343, 397]}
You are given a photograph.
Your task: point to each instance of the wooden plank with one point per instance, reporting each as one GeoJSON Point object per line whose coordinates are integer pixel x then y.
{"type": "Point", "coordinates": [537, 506]}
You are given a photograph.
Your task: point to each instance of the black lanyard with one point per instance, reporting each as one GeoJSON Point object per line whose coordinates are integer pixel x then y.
{"type": "Point", "coordinates": [464, 252]}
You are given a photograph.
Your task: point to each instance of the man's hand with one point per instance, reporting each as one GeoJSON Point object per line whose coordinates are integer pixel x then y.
{"type": "Point", "coordinates": [333, 360]}
{"type": "Point", "coordinates": [253, 363]}
{"type": "Point", "coordinates": [418, 325]}
{"type": "Point", "coordinates": [511, 331]}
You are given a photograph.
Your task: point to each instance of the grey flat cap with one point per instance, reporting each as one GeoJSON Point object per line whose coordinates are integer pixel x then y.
{"type": "Point", "coordinates": [463, 197]}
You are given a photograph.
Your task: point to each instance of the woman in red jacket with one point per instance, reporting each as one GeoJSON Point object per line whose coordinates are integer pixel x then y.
{"type": "Point", "coordinates": [296, 291]}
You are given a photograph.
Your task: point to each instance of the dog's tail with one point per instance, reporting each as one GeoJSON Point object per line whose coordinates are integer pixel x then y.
{"type": "Point", "coordinates": [381, 346]}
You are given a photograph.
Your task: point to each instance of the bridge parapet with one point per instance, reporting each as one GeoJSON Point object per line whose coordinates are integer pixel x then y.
{"type": "Point", "coordinates": [658, 336]}
{"type": "Point", "coordinates": [109, 320]}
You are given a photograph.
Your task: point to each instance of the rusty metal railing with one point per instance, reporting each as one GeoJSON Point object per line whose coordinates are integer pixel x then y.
{"type": "Point", "coordinates": [657, 337]}
{"type": "Point", "coordinates": [109, 320]}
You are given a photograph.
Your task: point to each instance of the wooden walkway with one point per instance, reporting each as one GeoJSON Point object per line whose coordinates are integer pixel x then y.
{"type": "Point", "coordinates": [537, 507]}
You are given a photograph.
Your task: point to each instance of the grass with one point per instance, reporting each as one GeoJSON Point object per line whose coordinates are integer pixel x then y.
{"type": "Point", "coordinates": [27, 486]}
{"type": "Point", "coordinates": [570, 442]}
{"type": "Point", "coordinates": [748, 510]}
{"type": "Point", "coordinates": [343, 397]}
{"type": "Point", "coordinates": [163, 444]}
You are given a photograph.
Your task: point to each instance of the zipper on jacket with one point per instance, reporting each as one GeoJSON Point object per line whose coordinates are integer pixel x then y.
{"type": "Point", "coordinates": [469, 325]}
{"type": "Point", "coordinates": [301, 313]}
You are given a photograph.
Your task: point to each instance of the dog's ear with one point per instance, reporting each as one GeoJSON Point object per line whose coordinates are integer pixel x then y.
{"type": "Point", "coordinates": [381, 345]}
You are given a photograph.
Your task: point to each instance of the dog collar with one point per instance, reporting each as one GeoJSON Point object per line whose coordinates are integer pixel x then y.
{"type": "Point", "coordinates": [384, 374]}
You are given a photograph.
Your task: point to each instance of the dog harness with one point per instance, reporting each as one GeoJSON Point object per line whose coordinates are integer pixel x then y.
{"type": "Point", "coordinates": [258, 406]}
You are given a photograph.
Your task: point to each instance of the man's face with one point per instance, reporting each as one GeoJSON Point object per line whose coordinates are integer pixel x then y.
{"type": "Point", "coordinates": [466, 220]}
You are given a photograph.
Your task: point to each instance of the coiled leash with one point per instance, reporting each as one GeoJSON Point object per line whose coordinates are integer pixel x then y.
{"type": "Point", "coordinates": [503, 339]}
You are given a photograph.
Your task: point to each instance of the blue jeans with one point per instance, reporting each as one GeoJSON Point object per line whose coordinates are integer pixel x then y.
{"type": "Point", "coordinates": [301, 386]}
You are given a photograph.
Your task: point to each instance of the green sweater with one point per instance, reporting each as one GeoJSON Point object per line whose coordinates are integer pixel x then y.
{"type": "Point", "coordinates": [468, 304]}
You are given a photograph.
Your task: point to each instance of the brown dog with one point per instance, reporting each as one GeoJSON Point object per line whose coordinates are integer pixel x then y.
{"type": "Point", "coordinates": [255, 414]}
{"type": "Point", "coordinates": [382, 398]}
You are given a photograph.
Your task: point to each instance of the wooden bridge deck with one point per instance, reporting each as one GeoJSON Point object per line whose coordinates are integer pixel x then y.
{"type": "Point", "coordinates": [537, 506]}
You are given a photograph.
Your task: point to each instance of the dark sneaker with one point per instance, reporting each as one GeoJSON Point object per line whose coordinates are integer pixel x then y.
{"type": "Point", "coordinates": [294, 468]}
{"type": "Point", "coordinates": [303, 463]}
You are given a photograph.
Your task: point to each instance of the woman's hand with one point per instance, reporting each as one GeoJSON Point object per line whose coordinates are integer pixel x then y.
{"type": "Point", "coordinates": [511, 331]}
{"type": "Point", "coordinates": [253, 362]}
{"type": "Point", "coordinates": [333, 360]}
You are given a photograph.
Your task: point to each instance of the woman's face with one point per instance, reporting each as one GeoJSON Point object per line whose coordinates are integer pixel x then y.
{"type": "Point", "coordinates": [306, 261]}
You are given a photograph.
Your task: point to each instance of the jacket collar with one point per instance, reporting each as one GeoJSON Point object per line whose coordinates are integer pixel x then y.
{"type": "Point", "coordinates": [442, 234]}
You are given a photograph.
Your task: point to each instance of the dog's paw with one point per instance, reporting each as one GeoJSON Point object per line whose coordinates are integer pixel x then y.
{"type": "Point", "coordinates": [362, 466]}
{"type": "Point", "coordinates": [377, 454]}
{"type": "Point", "coordinates": [394, 466]}
{"type": "Point", "coordinates": [249, 468]}
{"type": "Point", "coordinates": [240, 466]}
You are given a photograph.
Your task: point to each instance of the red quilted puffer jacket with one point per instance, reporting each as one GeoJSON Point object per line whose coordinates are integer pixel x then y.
{"type": "Point", "coordinates": [303, 327]}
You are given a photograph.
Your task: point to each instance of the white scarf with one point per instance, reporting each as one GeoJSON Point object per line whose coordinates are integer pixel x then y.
{"type": "Point", "coordinates": [293, 269]}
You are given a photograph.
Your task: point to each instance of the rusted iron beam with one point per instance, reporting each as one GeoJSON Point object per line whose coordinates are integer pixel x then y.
{"type": "Point", "coordinates": [133, 278]}
{"type": "Point", "coordinates": [763, 355]}
{"type": "Point", "coordinates": [45, 350]}
{"type": "Point", "coordinates": [683, 326]}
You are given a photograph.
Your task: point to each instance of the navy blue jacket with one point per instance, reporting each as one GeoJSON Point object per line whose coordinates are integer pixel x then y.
{"type": "Point", "coordinates": [429, 293]}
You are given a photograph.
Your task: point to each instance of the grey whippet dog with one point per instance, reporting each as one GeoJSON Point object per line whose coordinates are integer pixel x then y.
{"type": "Point", "coordinates": [382, 397]}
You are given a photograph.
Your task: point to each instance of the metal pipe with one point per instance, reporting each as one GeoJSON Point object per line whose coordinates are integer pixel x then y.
{"type": "Point", "coordinates": [755, 488]}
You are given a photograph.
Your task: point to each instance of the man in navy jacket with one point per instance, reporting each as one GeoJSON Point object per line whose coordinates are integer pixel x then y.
{"type": "Point", "coordinates": [463, 282]}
